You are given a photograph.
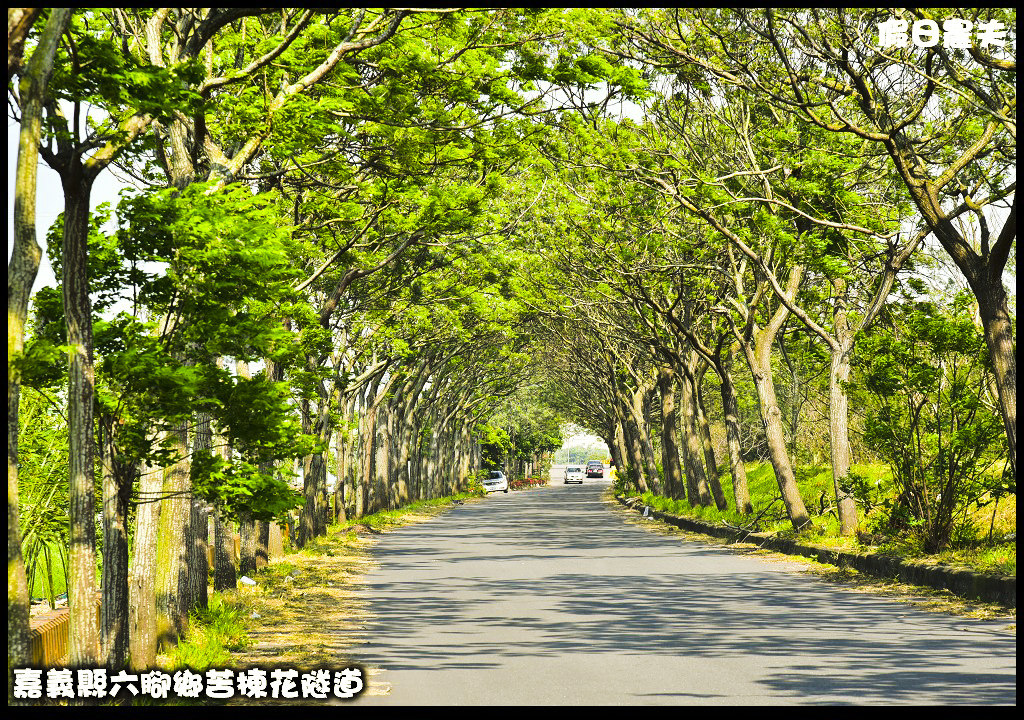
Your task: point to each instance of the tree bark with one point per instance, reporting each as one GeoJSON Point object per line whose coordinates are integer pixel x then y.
{"type": "Point", "coordinates": [172, 547]}
{"type": "Point", "coordinates": [340, 469]}
{"type": "Point", "coordinates": [730, 407]}
{"type": "Point", "coordinates": [699, 446]}
{"type": "Point", "coordinates": [839, 422]}
{"type": "Point", "coordinates": [117, 489]}
{"type": "Point", "coordinates": [225, 576]}
{"type": "Point", "coordinates": [997, 324]}
{"type": "Point", "coordinates": [19, 24]}
{"type": "Point", "coordinates": [696, 478]}
{"type": "Point", "coordinates": [758, 353]}
{"type": "Point", "coordinates": [674, 487]}
{"type": "Point", "coordinates": [704, 429]}
{"type": "Point", "coordinates": [382, 457]}
{"type": "Point", "coordinates": [248, 539]}
{"type": "Point", "coordinates": [142, 574]}
{"type": "Point", "coordinates": [634, 460]}
{"type": "Point", "coordinates": [21, 274]}
{"type": "Point", "coordinates": [199, 532]}
{"type": "Point", "coordinates": [84, 632]}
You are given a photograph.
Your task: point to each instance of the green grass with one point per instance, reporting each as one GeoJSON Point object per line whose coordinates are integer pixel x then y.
{"type": "Point", "coordinates": [816, 487]}
{"type": "Point", "coordinates": [212, 634]}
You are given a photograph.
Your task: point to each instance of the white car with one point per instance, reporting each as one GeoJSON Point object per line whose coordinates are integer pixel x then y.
{"type": "Point", "coordinates": [573, 473]}
{"type": "Point", "coordinates": [495, 481]}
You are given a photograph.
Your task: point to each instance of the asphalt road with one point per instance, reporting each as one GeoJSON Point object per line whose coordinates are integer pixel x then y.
{"type": "Point", "coordinates": [546, 597]}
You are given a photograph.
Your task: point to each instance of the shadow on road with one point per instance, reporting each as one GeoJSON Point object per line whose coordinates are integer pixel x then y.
{"type": "Point", "coordinates": [553, 573]}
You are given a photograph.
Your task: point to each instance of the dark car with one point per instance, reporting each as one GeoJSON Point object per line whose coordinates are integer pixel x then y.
{"type": "Point", "coordinates": [595, 468]}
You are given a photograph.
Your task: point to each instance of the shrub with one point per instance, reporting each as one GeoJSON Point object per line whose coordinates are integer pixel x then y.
{"type": "Point", "coordinates": [929, 417]}
{"type": "Point", "coordinates": [520, 483]}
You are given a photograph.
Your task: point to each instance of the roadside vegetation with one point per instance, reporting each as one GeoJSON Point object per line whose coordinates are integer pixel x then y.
{"type": "Point", "coordinates": [985, 538]}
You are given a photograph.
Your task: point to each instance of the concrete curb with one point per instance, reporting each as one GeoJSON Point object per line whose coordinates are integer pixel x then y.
{"type": "Point", "coordinates": [964, 583]}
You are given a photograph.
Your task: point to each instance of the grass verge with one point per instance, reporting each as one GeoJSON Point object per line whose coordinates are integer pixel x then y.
{"type": "Point", "coordinates": [993, 548]}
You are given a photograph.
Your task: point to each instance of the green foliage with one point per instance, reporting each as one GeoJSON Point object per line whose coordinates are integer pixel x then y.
{"type": "Point", "coordinates": [200, 275]}
{"type": "Point", "coordinates": [214, 632]}
{"type": "Point", "coordinates": [525, 426]}
{"type": "Point", "coordinates": [465, 211]}
{"type": "Point", "coordinates": [43, 494]}
{"type": "Point", "coordinates": [475, 486]}
{"type": "Point", "coordinates": [495, 445]}
{"type": "Point", "coordinates": [929, 416]}
{"type": "Point", "coordinates": [93, 69]}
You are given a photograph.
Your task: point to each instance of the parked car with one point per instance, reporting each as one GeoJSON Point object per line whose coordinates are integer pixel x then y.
{"type": "Point", "coordinates": [495, 481]}
{"type": "Point", "coordinates": [595, 468]}
{"type": "Point", "coordinates": [573, 473]}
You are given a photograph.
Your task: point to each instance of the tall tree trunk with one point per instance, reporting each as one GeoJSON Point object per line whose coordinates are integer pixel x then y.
{"type": "Point", "coordinates": [758, 353]}
{"type": "Point", "coordinates": [340, 470]}
{"type": "Point", "coordinates": [403, 460]}
{"type": "Point", "coordinates": [21, 274]}
{"type": "Point", "coordinates": [674, 487]}
{"type": "Point", "coordinates": [382, 457]}
{"type": "Point", "coordinates": [199, 532]}
{"type": "Point", "coordinates": [84, 634]}
{"type": "Point", "coordinates": [142, 636]}
{"type": "Point", "coordinates": [465, 449]}
{"type": "Point", "coordinates": [702, 436]}
{"type": "Point", "coordinates": [638, 439]}
{"type": "Point", "coordinates": [444, 459]}
{"type": "Point", "coordinates": [839, 422]}
{"type": "Point", "coordinates": [434, 449]}
{"type": "Point", "coordinates": [324, 428]}
{"type": "Point", "coordinates": [172, 547]}
{"type": "Point", "coordinates": [696, 478]}
{"type": "Point", "coordinates": [704, 428]}
{"type": "Point", "coordinates": [307, 514]}
{"type": "Point", "coordinates": [730, 408]}
{"type": "Point", "coordinates": [248, 539]}
{"type": "Point", "coordinates": [318, 477]}
{"type": "Point", "coordinates": [643, 435]}
{"type": "Point", "coordinates": [262, 543]}
{"type": "Point", "coordinates": [117, 489]}
{"type": "Point", "coordinates": [618, 447]}
{"type": "Point", "coordinates": [367, 438]}
{"type": "Point", "coordinates": [997, 323]}
{"type": "Point", "coordinates": [633, 461]}
{"type": "Point", "coordinates": [225, 575]}
{"type": "Point", "coordinates": [771, 416]}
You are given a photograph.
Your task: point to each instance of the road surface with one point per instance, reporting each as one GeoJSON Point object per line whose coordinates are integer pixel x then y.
{"type": "Point", "coordinates": [547, 597]}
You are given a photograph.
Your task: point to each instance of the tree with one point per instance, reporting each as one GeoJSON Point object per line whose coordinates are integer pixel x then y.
{"type": "Point", "coordinates": [21, 274]}
{"type": "Point", "coordinates": [945, 119]}
{"type": "Point", "coordinates": [19, 25]}
{"type": "Point", "coordinates": [926, 378]}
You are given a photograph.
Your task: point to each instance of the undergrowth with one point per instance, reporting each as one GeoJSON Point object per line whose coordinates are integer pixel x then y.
{"type": "Point", "coordinates": [214, 632]}
{"type": "Point", "coordinates": [986, 541]}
